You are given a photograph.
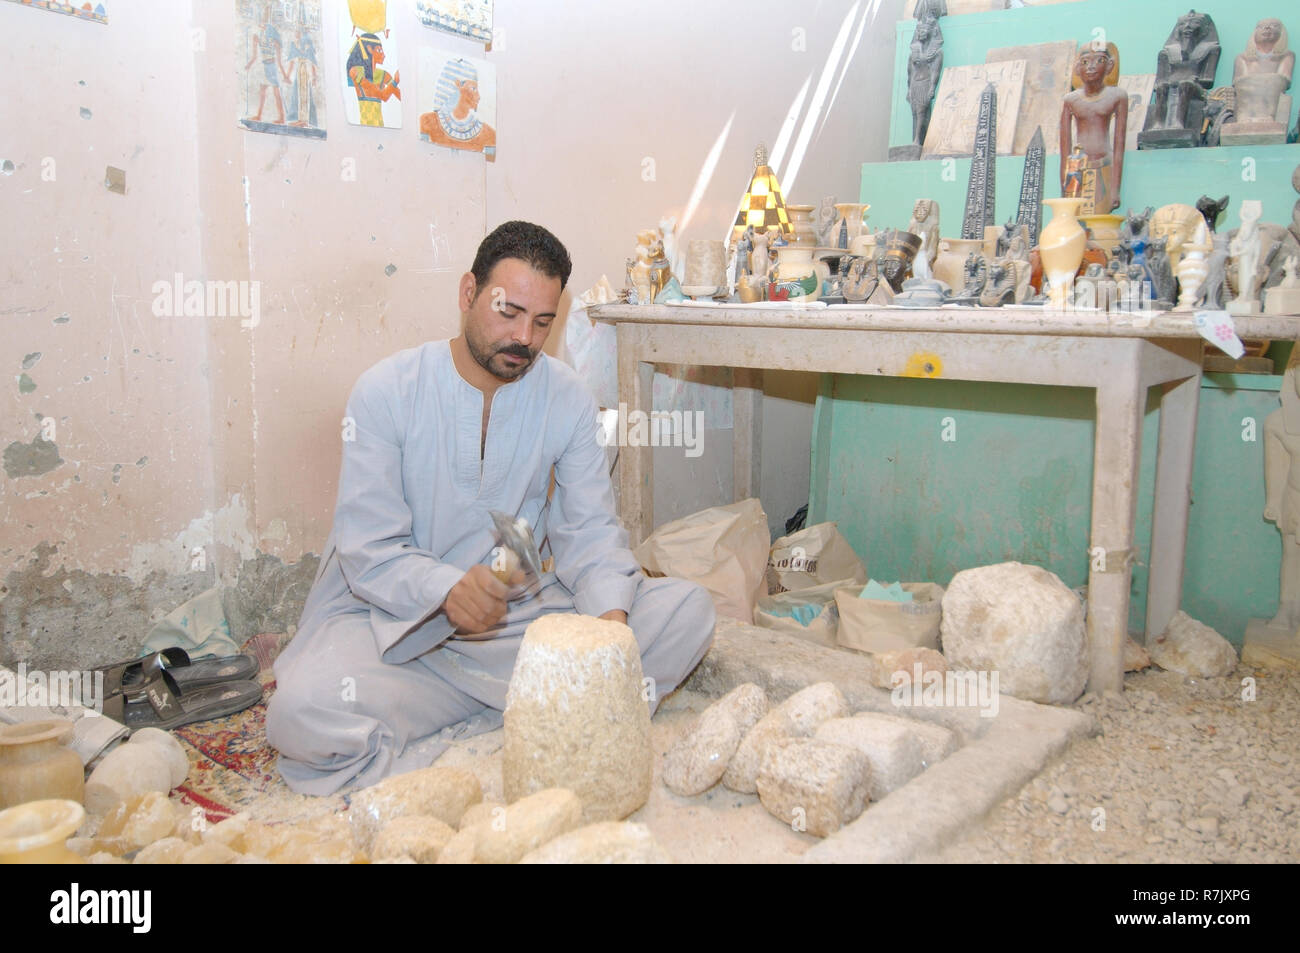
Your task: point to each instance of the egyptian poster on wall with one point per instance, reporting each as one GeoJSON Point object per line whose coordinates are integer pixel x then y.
{"type": "Point", "coordinates": [957, 107]}
{"type": "Point", "coordinates": [372, 93]}
{"type": "Point", "coordinates": [458, 102]}
{"type": "Point", "coordinates": [278, 47]}
{"type": "Point", "coordinates": [95, 13]}
{"type": "Point", "coordinates": [471, 18]}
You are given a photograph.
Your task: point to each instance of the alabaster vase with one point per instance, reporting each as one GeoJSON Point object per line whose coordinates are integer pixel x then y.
{"type": "Point", "coordinates": [37, 832]}
{"type": "Point", "coordinates": [797, 275]}
{"type": "Point", "coordinates": [803, 229]}
{"type": "Point", "coordinates": [850, 224]}
{"type": "Point", "coordinates": [1060, 247]}
{"type": "Point", "coordinates": [34, 764]}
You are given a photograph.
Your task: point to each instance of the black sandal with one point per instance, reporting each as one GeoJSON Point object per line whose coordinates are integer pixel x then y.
{"type": "Point", "coordinates": [130, 676]}
{"type": "Point", "coordinates": [161, 703]}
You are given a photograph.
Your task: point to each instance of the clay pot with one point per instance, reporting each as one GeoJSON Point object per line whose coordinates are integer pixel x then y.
{"type": "Point", "coordinates": [34, 764]}
{"type": "Point", "coordinates": [794, 267]}
{"type": "Point", "coordinates": [37, 832]}
{"type": "Point", "coordinates": [952, 259]}
{"type": "Point", "coordinates": [1061, 247]}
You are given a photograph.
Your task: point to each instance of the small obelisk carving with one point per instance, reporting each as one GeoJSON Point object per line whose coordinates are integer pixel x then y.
{"type": "Point", "coordinates": [983, 168]}
{"type": "Point", "coordinates": [1030, 211]}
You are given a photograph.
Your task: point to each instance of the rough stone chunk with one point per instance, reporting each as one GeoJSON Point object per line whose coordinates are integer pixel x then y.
{"type": "Point", "coordinates": [126, 772]}
{"type": "Point", "coordinates": [210, 854]}
{"type": "Point", "coordinates": [443, 793]}
{"type": "Point", "coordinates": [1135, 657]}
{"type": "Point", "coordinates": [576, 716]}
{"type": "Point", "coordinates": [906, 660]}
{"type": "Point", "coordinates": [153, 818]}
{"type": "Point", "coordinates": [936, 741]}
{"type": "Point", "coordinates": [419, 838]}
{"type": "Point", "coordinates": [609, 842]}
{"type": "Point", "coordinates": [239, 832]}
{"type": "Point", "coordinates": [528, 824]}
{"type": "Point", "coordinates": [327, 839]}
{"type": "Point", "coordinates": [698, 759]}
{"type": "Point", "coordinates": [104, 857]}
{"type": "Point", "coordinates": [810, 706]}
{"type": "Point", "coordinates": [461, 848]}
{"type": "Point", "coordinates": [169, 850]}
{"type": "Point", "coordinates": [484, 812]}
{"type": "Point", "coordinates": [892, 748]}
{"type": "Point", "coordinates": [747, 703]}
{"type": "Point", "coordinates": [1193, 648]}
{"type": "Point", "coordinates": [1022, 622]}
{"type": "Point", "coordinates": [814, 785]}
{"type": "Point", "coordinates": [742, 771]}
{"type": "Point", "coordinates": [178, 762]}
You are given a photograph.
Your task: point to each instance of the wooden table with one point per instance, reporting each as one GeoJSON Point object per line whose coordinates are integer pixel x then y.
{"type": "Point", "coordinates": [1118, 355]}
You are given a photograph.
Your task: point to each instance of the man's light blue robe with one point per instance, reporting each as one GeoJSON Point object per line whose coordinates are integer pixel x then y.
{"type": "Point", "coordinates": [371, 668]}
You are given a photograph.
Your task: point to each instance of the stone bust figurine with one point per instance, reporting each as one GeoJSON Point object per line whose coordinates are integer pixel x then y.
{"type": "Point", "coordinates": [1260, 76]}
{"type": "Point", "coordinates": [925, 224]}
{"type": "Point", "coordinates": [1095, 118]}
{"type": "Point", "coordinates": [1185, 69]}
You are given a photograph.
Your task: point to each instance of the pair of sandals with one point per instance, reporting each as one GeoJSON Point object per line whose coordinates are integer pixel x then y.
{"type": "Point", "coordinates": [167, 690]}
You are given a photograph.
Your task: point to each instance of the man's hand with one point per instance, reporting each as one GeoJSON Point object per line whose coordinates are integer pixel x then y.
{"type": "Point", "coordinates": [615, 615]}
{"type": "Point", "coordinates": [478, 601]}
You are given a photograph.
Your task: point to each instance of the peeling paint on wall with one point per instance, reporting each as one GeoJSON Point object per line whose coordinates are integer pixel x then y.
{"type": "Point", "coordinates": [31, 459]}
{"type": "Point", "coordinates": [230, 526]}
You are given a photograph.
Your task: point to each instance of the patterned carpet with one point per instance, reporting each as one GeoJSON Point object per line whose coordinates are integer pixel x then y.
{"type": "Point", "coordinates": [232, 768]}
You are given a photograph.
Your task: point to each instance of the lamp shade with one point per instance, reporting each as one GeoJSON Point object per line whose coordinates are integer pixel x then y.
{"type": "Point", "coordinates": [763, 205]}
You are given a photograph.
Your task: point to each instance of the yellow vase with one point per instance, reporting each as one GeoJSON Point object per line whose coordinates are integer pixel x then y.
{"type": "Point", "coordinates": [1061, 248]}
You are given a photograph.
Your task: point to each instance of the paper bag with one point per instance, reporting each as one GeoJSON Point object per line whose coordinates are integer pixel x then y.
{"type": "Point", "coordinates": [877, 625]}
{"type": "Point", "coordinates": [724, 549]}
{"type": "Point", "coordinates": [788, 611]}
{"type": "Point", "coordinates": [811, 557]}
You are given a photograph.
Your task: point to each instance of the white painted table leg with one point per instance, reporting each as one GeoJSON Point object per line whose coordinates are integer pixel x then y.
{"type": "Point", "coordinates": [1120, 402]}
{"type": "Point", "coordinates": [636, 464]}
{"type": "Point", "coordinates": [1172, 497]}
{"type": "Point", "coordinates": [747, 435]}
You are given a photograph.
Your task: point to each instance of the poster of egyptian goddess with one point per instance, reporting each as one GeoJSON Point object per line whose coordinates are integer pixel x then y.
{"type": "Point", "coordinates": [458, 102]}
{"type": "Point", "coordinates": [277, 58]}
{"type": "Point", "coordinates": [371, 81]}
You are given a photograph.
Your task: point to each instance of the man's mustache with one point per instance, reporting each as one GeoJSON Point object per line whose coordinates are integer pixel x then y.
{"type": "Point", "coordinates": [517, 350]}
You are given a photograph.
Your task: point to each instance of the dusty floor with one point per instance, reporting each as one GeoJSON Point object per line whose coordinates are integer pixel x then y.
{"type": "Point", "coordinates": [1185, 771]}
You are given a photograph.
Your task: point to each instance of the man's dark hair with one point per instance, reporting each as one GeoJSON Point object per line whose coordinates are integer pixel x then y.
{"type": "Point", "coordinates": [527, 242]}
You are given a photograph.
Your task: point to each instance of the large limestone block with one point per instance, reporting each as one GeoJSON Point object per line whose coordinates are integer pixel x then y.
{"type": "Point", "coordinates": [1192, 648]}
{"type": "Point", "coordinates": [892, 748]}
{"type": "Point", "coordinates": [414, 836]}
{"type": "Point", "coordinates": [814, 785]}
{"type": "Point", "coordinates": [528, 824]}
{"type": "Point", "coordinates": [937, 742]}
{"type": "Point", "coordinates": [576, 717]}
{"type": "Point", "coordinates": [742, 771]}
{"type": "Point", "coordinates": [608, 842]}
{"type": "Point", "coordinates": [698, 759]}
{"type": "Point", "coordinates": [1022, 622]}
{"type": "Point", "coordinates": [810, 706]}
{"type": "Point", "coordinates": [443, 793]}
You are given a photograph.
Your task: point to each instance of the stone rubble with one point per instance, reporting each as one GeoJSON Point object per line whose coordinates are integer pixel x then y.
{"type": "Point", "coordinates": [1192, 648]}
{"type": "Point", "coordinates": [608, 842]}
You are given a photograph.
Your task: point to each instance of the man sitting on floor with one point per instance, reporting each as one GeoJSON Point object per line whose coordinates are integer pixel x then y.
{"type": "Point", "coordinates": [444, 433]}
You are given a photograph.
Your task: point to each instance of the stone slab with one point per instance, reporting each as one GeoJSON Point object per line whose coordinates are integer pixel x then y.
{"type": "Point", "coordinates": [956, 107]}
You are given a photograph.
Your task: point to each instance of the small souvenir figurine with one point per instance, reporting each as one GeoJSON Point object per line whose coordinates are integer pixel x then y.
{"type": "Point", "coordinates": [1184, 73]}
{"type": "Point", "coordinates": [1245, 251]}
{"type": "Point", "coordinates": [1260, 76]}
{"type": "Point", "coordinates": [1094, 124]}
